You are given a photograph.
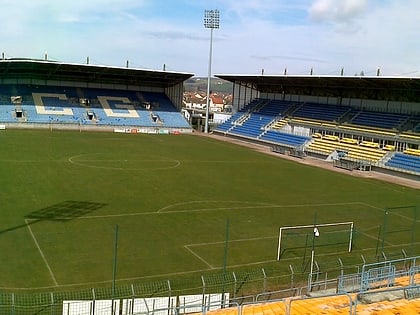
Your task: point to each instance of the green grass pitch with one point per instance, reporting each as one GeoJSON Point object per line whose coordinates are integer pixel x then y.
{"type": "Point", "coordinates": [177, 202]}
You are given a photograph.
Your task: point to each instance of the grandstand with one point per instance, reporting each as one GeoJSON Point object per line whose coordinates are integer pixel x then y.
{"type": "Point", "coordinates": [42, 93]}
{"type": "Point", "coordinates": [355, 123]}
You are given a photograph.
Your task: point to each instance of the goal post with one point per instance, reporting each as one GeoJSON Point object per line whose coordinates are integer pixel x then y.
{"type": "Point", "coordinates": [299, 235]}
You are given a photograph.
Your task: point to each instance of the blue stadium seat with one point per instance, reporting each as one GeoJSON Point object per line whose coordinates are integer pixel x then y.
{"type": "Point", "coordinates": [322, 112]}
{"type": "Point", "coordinates": [226, 125]}
{"type": "Point", "coordinates": [379, 120]}
{"type": "Point", "coordinates": [252, 127]}
{"type": "Point", "coordinates": [404, 162]}
{"type": "Point", "coordinates": [70, 110]}
{"type": "Point", "coordinates": [284, 138]}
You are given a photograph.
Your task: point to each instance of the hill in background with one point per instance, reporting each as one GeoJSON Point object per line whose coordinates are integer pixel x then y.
{"type": "Point", "coordinates": [199, 84]}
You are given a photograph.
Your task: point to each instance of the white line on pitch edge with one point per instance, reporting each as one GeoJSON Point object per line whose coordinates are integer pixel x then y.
{"type": "Point", "coordinates": [198, 256]}
{"type": "Point", "coordinates": [41, 253]}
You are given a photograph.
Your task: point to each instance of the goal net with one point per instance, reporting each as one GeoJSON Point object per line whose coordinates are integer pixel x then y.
{"type": "Point", "coordinates": [300, 240]}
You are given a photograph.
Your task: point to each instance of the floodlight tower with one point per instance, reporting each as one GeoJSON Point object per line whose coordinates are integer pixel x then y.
{"type": "Point", "coordinates": [211, 21]}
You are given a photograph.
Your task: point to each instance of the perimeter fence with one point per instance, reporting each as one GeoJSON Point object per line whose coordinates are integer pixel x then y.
{"type": "Point", "coordinates": [190, 294]}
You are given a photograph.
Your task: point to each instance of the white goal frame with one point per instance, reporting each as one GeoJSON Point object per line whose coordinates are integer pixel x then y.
{"type": "Point", "coordinates": [316, 232]}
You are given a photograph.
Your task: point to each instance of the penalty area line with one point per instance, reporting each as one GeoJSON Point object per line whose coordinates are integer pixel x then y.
{"type": "Point", "coordinates": [42, 254]}
{"type": "Point", "coordinates": [198, 256]}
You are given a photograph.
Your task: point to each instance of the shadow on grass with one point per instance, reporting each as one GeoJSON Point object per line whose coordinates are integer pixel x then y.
{"type": "Point", "coordinates": [63, 211]}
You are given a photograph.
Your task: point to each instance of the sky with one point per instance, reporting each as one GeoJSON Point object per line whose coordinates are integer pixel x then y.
{"type": "Point", "coordinates": [273, 36]}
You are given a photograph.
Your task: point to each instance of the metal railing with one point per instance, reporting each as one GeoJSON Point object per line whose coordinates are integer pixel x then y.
{"type": "Point", "coordinates": [243, 288]}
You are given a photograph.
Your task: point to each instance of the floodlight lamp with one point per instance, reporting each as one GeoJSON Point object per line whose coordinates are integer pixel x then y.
{"type": "Point", "coordinates": [211, 18]}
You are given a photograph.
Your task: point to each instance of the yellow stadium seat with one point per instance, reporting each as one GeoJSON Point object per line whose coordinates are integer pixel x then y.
{"type": "Point", "coordinates": [330, 137]}
{"type": "Point", "coordinates": [354, 151]}
{"type": "Point", "coordinates": [389, 147]}
{"type": "Point", "coordinates": [305, 122]}
{"type": "Point", "coordinates": [412, 151]}
{"type": "Point", "coordinates": [328, 125]}
{"type": "Point", "coordinates": [369, 144]}
{"type": "Point", "coordinates": [410, 136]}
{"type": "Point", "coordinates": [367, 130]}
{"type": "Point", "coordinates": [349, 140]}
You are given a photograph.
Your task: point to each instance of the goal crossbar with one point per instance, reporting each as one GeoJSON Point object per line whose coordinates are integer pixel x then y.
{"type": "Point", "coordinates": [315, 227]}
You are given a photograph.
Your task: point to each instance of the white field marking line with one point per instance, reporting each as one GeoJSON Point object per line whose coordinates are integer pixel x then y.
{"type": "Point", "coordinates": [234, 241]}
{"type": "Point", "coordinates": [404, 217]}
{"type": "Point", "coordinates": [128, 160]}
{"type": "Point", "coordinates": [198, 256]}
{"type": "Point", "coordinates": [212, 201]}
{"type": "Point", "coordinates": [164, 213]}
{"type": "Point", "coordinates": [189, 272]}
{"type": "Point", "coordinates": [223, 161]}
{"type": "Point", "coordinates": [32, 161]}
{"type": "Point", "coordinates": [200, 270]}
{"type": "Point", "coordinates": [371, 206]}
{"type": "Point", "coordinates": [257, 205]}
{"type": "Point", "coordinates": [221, 242]}
{"type": "Point", "coordinates": [41, 253]}
{"type": "Point", "coordinates": [180, 211]}
{"type": "Point", "coordinates": [317, 255]}
{"type": "Point", "coordinates": [377, 182]}
{"type": "Point", "coordinates": [71, 160]}
{"type": "Point", "coordinates": [392, 212]}
{"type": "Point", "coordinates": [375, 238]}
{"type": "Point", "coordinates": [208, 210]}
{"type": "Point", "coordinates": [172, 212]}
{"type": "Point", "coordinates": [371, 228]}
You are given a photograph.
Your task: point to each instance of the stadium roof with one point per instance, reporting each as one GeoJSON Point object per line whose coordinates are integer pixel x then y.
{"type": "Point", "coordinates": [377, 87]}
{"type": "Point", "coordinates": [52, 70]}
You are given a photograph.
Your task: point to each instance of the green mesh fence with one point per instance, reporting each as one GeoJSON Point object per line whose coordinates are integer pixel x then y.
{"type": "Point", "coordinates": [241, 285]}
{"type": "Point", "coordinates": [399, 227]}
{"type": "Point", "coordinates": [238, 283]}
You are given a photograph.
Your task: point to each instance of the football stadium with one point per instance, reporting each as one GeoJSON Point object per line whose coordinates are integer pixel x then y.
{"type": "Point", "coordinates": [113, 204]}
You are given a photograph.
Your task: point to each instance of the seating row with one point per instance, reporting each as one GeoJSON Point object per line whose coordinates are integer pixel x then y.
{"type": "Point", "coordinates": [334, 116]}
{"type": "Point", "coordinates": [279, 124]}
{"type": "Point", "coordinates": [256, 119]}
{"type": "Point", "coordinates": [353, 151]}
{"type": "Point", "coordinates": [367, 130]}
{"type": "Point", "coordinates": [284, 138]}
{"type": "Point", "coordinates": [379, 119]}
{"type": "Point", "coordinates": [328, 305]}
{"type": "Point", "coordinates": [410, 151]}
{"type": "Point", "coordinates": [411, 136]}
{"type": "Point", "coordinates": [61, 105]}
{"type": "Point", "coordinates": [322, 112]}
{"type": "Point", "coordinates": [275, 107]}
{"type": "Point", "coordinates": [253, 126]}
{"type": "Point", "coordinates": [405, 162]}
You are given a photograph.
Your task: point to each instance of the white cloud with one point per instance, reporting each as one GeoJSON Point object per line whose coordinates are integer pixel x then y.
{"type": "Point", "coordinates": [254, 34]}
{"type": "Point", "coordinates": [388, 38]}
{"type": "Point", "coordinates": [340, 11]}
{"type": "Point", "coordinates": [64, 10]}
